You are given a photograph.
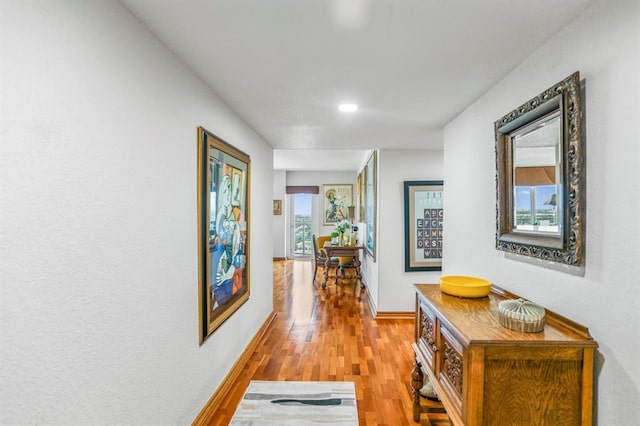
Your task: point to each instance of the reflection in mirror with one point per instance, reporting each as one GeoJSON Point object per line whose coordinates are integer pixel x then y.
{"type": "Point", "coordinates": [539, 176]}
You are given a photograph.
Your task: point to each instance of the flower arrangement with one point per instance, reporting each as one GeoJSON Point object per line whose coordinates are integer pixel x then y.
{"type": "Point", "coordinates": [343, 226]}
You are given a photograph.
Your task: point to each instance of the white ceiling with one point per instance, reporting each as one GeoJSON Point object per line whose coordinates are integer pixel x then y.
{"type": "Point", "coordinates": [411, 65]}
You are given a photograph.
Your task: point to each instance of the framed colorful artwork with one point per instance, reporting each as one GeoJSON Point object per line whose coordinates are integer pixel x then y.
{"type": "Point", "coordinates": [224, 174]}
{"type": "Point", "coordinates": [337, 198]}
{"type": "Point", "coordinates": [361, 197]}
{"type": "Point", "coordinates": [370, 175]}
{"type": "Point", "coordinates": [423, 219]}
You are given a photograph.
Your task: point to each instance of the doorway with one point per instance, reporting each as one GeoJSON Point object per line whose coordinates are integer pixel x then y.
{"type": "Point", "coordinates": [301, 228]}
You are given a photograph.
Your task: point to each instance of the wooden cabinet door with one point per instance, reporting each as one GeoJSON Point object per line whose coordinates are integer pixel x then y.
{"type": "Point", "coordinates": [427, 335]}
{"type": "Point", "coordinates": [452, 367]}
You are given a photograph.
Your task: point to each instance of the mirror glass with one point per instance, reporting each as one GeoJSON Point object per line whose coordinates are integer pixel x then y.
{"type": "Point", "coordinates": [539, 176]}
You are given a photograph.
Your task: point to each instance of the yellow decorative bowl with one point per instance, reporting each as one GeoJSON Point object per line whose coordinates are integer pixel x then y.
{"type": "Point", "coordinates": [462, 286]}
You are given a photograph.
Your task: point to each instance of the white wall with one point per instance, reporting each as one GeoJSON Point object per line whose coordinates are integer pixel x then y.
{"type": "Point", "coordinates": [395, 286]}
{"type": "Point", "coordinates": [279, 221]}
{"type": "Point", "coordinates": [603, 44]}
{"type": "Point", "coordinates": [99, 315]}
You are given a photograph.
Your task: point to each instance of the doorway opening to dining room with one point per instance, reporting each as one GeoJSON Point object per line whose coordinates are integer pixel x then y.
{"type": "Point", "coordinates": [301, 221]}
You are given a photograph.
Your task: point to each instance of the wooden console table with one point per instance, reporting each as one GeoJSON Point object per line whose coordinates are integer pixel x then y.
{"type": "Point", "coordinates": [487, 374]}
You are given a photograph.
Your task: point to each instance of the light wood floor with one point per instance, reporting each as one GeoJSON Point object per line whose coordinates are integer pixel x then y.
{"type": "Point", "coordinates": [330, 335]}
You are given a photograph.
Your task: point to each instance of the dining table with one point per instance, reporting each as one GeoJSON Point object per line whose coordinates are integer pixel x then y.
{"type": "Point", "coordinates": [343, 250]}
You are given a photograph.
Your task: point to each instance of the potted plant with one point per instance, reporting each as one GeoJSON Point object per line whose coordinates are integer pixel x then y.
{"type": "Point", "coordinates": [334, 237]}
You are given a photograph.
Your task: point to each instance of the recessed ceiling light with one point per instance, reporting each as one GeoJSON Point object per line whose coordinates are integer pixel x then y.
{"type": "Point", "coordinates": [348, 107]}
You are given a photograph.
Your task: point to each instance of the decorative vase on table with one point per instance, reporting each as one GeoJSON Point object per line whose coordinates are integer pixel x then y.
{"type": "Point", "coordinates": [341, 228]}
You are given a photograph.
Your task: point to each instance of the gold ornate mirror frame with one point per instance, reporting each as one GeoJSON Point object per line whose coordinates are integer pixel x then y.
{"type": "Point", "coordinates": [518, 230]}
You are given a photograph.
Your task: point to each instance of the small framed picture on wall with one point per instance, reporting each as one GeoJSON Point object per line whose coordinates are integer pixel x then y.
{"type": "Point", "coordinates": [277, 207]}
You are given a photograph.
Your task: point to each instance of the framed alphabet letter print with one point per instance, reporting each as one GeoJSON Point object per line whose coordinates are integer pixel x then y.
{"type": "Point", "coordinates": [423, 219]}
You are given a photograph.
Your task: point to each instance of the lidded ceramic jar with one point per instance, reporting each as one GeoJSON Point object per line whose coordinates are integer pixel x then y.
{"type": "Point", "coordinates": [521, 315]}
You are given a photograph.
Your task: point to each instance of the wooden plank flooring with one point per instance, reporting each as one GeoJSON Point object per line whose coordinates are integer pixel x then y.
{"type": "Point", "coordinates": [330, 335]}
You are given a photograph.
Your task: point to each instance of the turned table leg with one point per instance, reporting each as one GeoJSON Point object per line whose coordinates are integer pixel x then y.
{"type": "Point", "coordinates": [357, 263]}
{"type": "Point", "coordinates": [417, 380]}
{"type": "Point", "coordinates": [327, 263]}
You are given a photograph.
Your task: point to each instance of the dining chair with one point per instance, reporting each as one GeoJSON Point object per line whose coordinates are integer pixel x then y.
{"type": "Point", "coordinates": [345, 262]}
{"type": "Point", "coordinates": [320, 256]}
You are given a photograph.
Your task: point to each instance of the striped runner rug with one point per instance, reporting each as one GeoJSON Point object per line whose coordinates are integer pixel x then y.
{"type": "Point", "coordinates": [297, 403]}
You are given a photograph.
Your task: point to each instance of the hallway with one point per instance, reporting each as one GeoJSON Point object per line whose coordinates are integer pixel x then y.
{"type": "Point", "coordinates": [330, 335]}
